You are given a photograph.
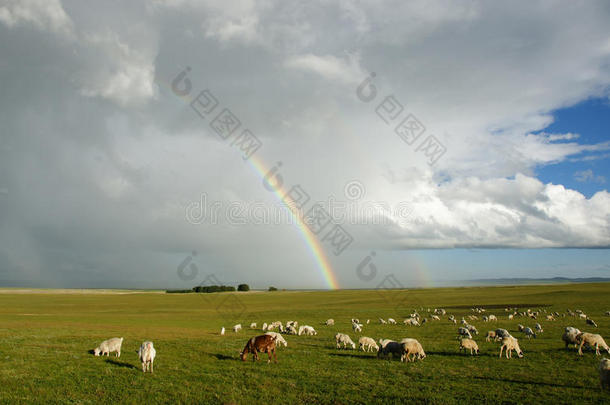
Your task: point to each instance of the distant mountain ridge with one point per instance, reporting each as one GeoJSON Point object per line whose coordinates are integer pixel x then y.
{"type": "Point", "coordinates": [524, 280]}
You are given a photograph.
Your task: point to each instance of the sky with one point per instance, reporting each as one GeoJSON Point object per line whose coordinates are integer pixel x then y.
{"type": "Point", "coordinates": [345, 144]}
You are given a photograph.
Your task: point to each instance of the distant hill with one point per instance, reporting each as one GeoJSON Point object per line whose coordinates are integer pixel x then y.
{"type": "Point", "coordinates": [553, 280]}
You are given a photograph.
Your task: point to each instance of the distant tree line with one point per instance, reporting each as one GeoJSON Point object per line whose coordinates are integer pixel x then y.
{"type": "Point", "coordinates": [214, 288]}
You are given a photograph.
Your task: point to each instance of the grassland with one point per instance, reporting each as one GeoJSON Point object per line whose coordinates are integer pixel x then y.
{"type": "Point", "coordinates": [45, 339]}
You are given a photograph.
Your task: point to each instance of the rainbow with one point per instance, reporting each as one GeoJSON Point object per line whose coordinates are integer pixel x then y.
{"type": "Point", "coordinates": [314, 245]}
{"type": "Point", "coordinates": [309, 237]}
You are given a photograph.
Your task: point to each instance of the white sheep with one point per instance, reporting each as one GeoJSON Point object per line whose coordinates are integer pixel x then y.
{"type": "Point", "coordinates": [357, 327]}
{"type": "Point", "coordinates": [550, 318]}
{"type": "Point", "coordinates": [520, 327]}
{"type": "Point", "coordinates": [491, 335]}
{"type": "Point", "coordinates": [591, 340]}
{"type": "Point", "coordinates": [279, 339]}
{"type": "Point", "coordinates": [147, 354]}
{"type": "Point", "coordinates": [411, 347]}
{"type": "Point", "coordinates": [538, 328]}
{"type": "Point", "coordinates": [237, 328]}
{"type": "Point", "coordinates": [222, 331]}
{"type": "Point", "coordinates": [411, 321]}
{"type": "Point", "coordinates": [469, 344]}
{"type": "Point", "coordinates": [253, 325]}
{"type": "Point", "coordinates": [472, 329]}
{"type": "Point", "coordinates": [569, 336]}
{"type": "Point", "coordinates": [510, 344]}
{"type": "Point", "coordinates": [435, 318]}
{"type": "Point", "coordinates": [345, 340]}
{"type": "Point", "coordinates": [265, 326]}
{"type": "Point", "coordinates": [329, 322]}
{"type": "Point", "coordinates": [382, 321]}
{"type": "Point", "coordinates": [492, 318]}
{"type": "Point", "coordinates": [367, 344]}
{"type": "Point", "coordinates": [109, 346]}
{"type": "Point", "coordinates": [307, 330]}
{"type": "Point", "coordinates": [291, 330]}
{"type": "Point", "coordinates": [604, 373]}
{"type": "Point", "coordinates": [391, 321]}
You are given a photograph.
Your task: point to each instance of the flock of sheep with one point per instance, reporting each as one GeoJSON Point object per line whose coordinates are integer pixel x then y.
{"type": "Point", "coordinates": [409, 349]}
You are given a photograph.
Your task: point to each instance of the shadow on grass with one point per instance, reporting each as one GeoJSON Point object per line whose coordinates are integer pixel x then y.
{"type": "Point", "coordinates": [119, 363]}
{"type": "Point", "coordinates": [356, 356]}
{"type": "Point", "coordinates": [544, 384]}
{"type": "Point", "coordinates": [221, 356]}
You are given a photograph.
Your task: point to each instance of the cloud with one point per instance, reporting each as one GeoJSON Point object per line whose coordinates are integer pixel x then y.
{"type": "Point", "coordinates": [584, 176]}
{"type": "Point", "coordinates": [328, 67]}
{"type": "Point", "coordinates": [46, 15]}
{"type": "Point", "coordinates": [111, 156]}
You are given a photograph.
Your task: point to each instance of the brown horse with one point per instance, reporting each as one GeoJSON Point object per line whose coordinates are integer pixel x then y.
{"type": "Point", "coordinates": [263, 344]}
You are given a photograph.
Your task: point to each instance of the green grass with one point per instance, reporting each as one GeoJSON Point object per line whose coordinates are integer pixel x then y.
{"type": "Point", "coordinates": [45, 341]}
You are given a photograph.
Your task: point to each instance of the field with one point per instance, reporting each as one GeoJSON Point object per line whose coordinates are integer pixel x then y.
{"type": "Point", "coordinates": [46, 339]}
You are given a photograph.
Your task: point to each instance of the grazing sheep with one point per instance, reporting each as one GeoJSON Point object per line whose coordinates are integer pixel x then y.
{"type": "Point", "coordinates": [411, 321]}
{"type": "Point", "coordinates": [502, 333]}
{"type": "Point", "coordinates": [469, 344]}
{"type": "Point", "coordinates": [591, 340]}
{"type": "Point", "coordinates": [591, 322]}
{"type": "Point", "coordinates": [279, 339]}
{"type": "Point", "coordinates": [147, 354]}
{"type": "Point", "coordinates": [237, 328]}
{"type": "Point", "coordinates": [355, 320]}
{"type": "Point", "coordinates": [329, 322]}
{"type": "Point", "coordinates": [604, 373]}
{"type": "Point", "coordinates": [291, 330]}
{"type": "Point", "coordinates": [345, 340]}
{"type": "Point", "coordinates": [435, 318]}
{"type": "Point", "coordinates": [391, 321]}
{"type": "Point", "coordinates": [510, 344]}
{"type": "Point", "coordinates": [293, 323]}
{"type": "Point", "coordinates": [367, 344]}
{"type": "Point", "coordinates": [491, 335]}
{"type": "Point", "coordinates": [382, 321]}
{"type": "Point", "coordinates": [265, 326]}
{"type": "Point", "coordinates": [307, 330]}
{"type": "Point", "coordinates": [109, 346]}
{"type": "Point", "coordinates": [510, 316]}
{"type": "Point", "coordinates": [569, 336]}
{"type": "Point", "coordinates": [520, 327]}
{"type": "Point", "coordinates": [472, 329]}
{"type": "Point", "coordinates": [582, 316]}
{"type": "Point", "coordinates": [529, 332]}
{"type": "Point", "coordinates": [368, 321]}
{"type": "Point", "coordinates": [253, 325]}
{"type": "Point", "coordinates": [222, 331]}
{"type": "Point", "coordinates": [538, 328]}
{"type": "Point", "coordinates": [411, 350]}
{"type": "Point", "coordinates": [357, 327]}
{"type": "Point", "coordinates": [550, 318]}
{"type": "Point", "coordinates": [492, 318]}
{"type": "Point", "coordinates": [390, 347]}
{"type": "Point", "coordinates": [464, 332]}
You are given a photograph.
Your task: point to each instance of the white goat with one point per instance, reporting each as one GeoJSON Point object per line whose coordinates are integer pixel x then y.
{"type": "Point", "coordinates": [109, 346]}
{"type": "Point", "coordinates": [147, 354]}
